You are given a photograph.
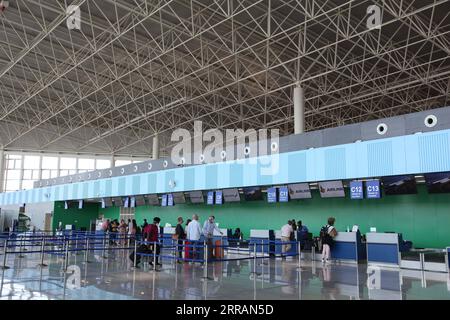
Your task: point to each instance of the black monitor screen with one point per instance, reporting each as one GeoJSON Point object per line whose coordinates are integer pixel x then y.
{"type": "Point", "coordinates": [140, 200]}
{"type": "Point", "coordinates": [438, 182]}
{"type": "Point", "coordinates": [253, 193]}
{"type": "Point", "coordinates": [118, 202]}
{"type": "Point", "coordinates": [399, 185]}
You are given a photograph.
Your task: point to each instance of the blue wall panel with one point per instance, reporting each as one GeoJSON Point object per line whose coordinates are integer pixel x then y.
{"type": "Point", "coordinates": [419, 153]}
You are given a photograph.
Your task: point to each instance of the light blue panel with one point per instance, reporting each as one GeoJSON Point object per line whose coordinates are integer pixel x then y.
{"type": "Point", "coordinates": [250, 172]}
{"type": "Point", "coordinates": [170, 175]}
{"type": "Point", "coordinates": [296, 167]}
{"type": "Point", "coordinates": [360, 159]}
{"type": "Point", "coordinates": [268, 166]}
{"type": "Point", "coordinates": [379, 158]}
{"type": "Point", "coordinates": [56, 193]}
{"type": "Point", "coordinates": [114, 187]}
{"type": "Point", "coordinates": [74, 193]}
{"type": "Point", "coordinates": [200, 177]}
{"type": "Point", "coordinates": [96, 189]}
{"type": "Point", "coordinates": [135, 185]}
{"type": "Point", "coordinates": [108, 188]}
{"type": "Point", "coordinates": [236, 173]}
{"type": "Point", "coordinates": [223, 179]}
{"type": "Point", "coordinates": [65, 194]}
{"type": "Point", "coordinates": [179, 178]}
{"type": "Point", "coordinates": [151, 181]}
{"type": "Point", "coordinates": [434, 151]}
{"type": "Point", "coordinates": [411, 152]}
{"type": "Point", "coordinates": [21, 197]}
{"type": "Point", "coordinates": [90, 189]}
{"type": "Point", "coordinates": [351, 154]}
{"type": "Point", "coordinates": [128, 185]}
{"type": "Point", "coordinates": [335, 163]}
{"type": "Point", "coordinates": [189, 178]}
{"type": "Point", "coordinates": [398, 155]}
{"type": "Point", "coordinates": [211, 174]}
{"type": "Point", "coordinates": [422, 153]}
{"type": "Point", "coordinates": [39, 195]}
{"type": "Point", "coordinates": [319, 166]}
{"type": "Point", "coordinates": [143, 186]}
{"type": "Point", "coordinates": [121, 186]}
{"type": "Point", "coordinates": [311, 165]}
{"type": "Point", "coordinates": [283, 172]}
{"type": "Point", "coordinates": [160, 182]}
{"type": "Point", "coordinates": [85, 193]}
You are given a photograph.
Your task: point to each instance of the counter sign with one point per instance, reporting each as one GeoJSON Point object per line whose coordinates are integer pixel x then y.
{"type": "Point", "coordinates": [373, 189]}
{"type": "Point", "coordinates": [272, 195]}
{"type": "Point", "coordinates": [284, 194]}
{"type": "Point", "coordinates": [356, 190]}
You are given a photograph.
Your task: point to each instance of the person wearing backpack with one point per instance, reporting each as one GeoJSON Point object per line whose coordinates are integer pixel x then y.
{"type": "Point", "coordinates": [327, 233]}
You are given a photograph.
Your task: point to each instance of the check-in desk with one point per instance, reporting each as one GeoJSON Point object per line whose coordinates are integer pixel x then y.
{"type": "Point", "coordinates": [166, 236]}
{"type": "Point", "coordinates": [278, 248]}
{"type": "Point", "coordinates": [447, 258]}
{"type": "Point", "coordinates": [383, 249]}
{"type": "Point", "coordinates": [260, 238]}
{"type": "Point", "coordinates": [219, 241]}
{"type": "Point", "coordinates": [348, 247]}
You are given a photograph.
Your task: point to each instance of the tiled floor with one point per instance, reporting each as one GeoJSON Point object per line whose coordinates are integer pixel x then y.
{"type": "Point", "coordinates": [114, 278]}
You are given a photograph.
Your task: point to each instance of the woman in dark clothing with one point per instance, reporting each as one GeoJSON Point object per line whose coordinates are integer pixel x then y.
{"type": "Point", "coordinates": [180, 235]}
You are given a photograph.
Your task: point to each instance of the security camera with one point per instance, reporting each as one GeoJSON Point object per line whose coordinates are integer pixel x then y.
{"type": "Point", "coordinates": [3, 5]}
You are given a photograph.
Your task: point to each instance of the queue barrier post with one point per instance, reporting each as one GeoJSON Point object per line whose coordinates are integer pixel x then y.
{"type": "Point", "coordinates": [299, 252]}
{"type": "Point", "coordinates": [154, 256]}
{"type": "Point", "coordinates": [104, 246]}
{"type": "Point", "coordinates": [4, 267]}
{"type": "Point", "coordinates": [20, 248]}
{"type": "Point", "coordinates": [66, 255]}
{"type": "Point", "coordinates": [205, 258]}
{"type": "Point", "coordinates": [135, 254]}
{"type": "Point", "coordinates": [86, 252]}
{"type": "Point", "coordinates": [42, 264]}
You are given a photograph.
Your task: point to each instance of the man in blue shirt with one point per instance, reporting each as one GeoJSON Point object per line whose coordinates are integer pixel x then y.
{"type": "Point", "coordinates": [302, 232]}
{"type": "Point", "coordinates": [208, 231]}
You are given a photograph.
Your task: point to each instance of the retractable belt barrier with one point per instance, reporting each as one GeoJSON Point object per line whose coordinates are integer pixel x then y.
{"type": "Point", "coordinates": [63, 244]}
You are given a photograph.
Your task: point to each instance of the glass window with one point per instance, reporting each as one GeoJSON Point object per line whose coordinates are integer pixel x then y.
{"type": "Point", "coordinates": [31, 162]}
{"type": "Point", "coordinates": [122, 162]}
{"type": "Point", "coordinates": [49, 162]}
{"type": "Point", "coordinates": [68, 163]}
{"type": "Point", "coordinates": [27, 184]}
{"type": "Point", "coordinates": [86, 164]}
{"type": "Point", "coordinates": [103, 164]}
{"type": "Point", "coordinates": [12, 185]}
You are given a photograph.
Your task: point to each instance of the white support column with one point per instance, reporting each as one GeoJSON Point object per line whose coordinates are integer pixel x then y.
{"type": "Point", "coordinates": [155, 153]}
{"type": "Point", "coordinates": [113, 161]}
{"type": "Point", "coordinates": [299, 110]}
{"type": "Point", "coordinates": [2, 169]}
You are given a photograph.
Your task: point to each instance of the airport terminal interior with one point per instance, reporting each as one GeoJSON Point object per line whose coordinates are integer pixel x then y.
{"type": "Point", "coordinates": [224, 149]}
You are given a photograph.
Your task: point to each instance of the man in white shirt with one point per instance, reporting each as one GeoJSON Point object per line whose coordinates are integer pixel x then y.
{"type": "Point", "coordinates": [286, 231]}
{"type": "Point", "coordinates": [194, 232]}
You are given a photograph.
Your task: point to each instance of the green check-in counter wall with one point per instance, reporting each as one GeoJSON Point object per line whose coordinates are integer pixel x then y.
{"type": "Point", "coordinates": [422, 218]}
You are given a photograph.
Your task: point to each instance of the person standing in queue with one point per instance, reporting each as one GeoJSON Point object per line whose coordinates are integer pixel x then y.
{"type": "Point", "coordinates": [194, 232]}
{"type": "Point", "coordinates": [327, 233]}
{"type": "Point", "coordinates": [151, 235]}
{"type": "Point", "coordinates": [180, 236]}
{"type": "Point", "coordinates": [286, 232]}
{"type": "Point", "coordinates": [208, 231]}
